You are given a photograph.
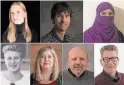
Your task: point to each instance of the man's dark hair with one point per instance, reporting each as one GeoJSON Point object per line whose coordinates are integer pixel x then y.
{"type": "Point", "coordinates": [60, 7]}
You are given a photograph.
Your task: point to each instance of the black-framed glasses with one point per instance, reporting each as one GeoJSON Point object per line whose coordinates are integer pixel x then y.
{"type": "Point", "coordinates": [106, 59]}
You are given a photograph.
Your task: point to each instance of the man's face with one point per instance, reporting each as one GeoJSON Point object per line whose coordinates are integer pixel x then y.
{"type": "Point", "coordinates": [77, 60]}
{"type": "Point", "coordinates": [62, 21]}
{"type": "Point", "coordinates": [109, 61]}
{"type": "Point", "coordinates": [13, 60]}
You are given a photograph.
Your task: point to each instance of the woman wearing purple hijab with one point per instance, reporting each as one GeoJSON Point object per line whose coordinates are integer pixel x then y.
{"type": "Point", "coordinates": [103, 28]}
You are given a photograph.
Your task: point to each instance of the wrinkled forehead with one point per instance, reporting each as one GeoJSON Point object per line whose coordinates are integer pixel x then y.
{"type": "Point", "coordinates": [104, 6]}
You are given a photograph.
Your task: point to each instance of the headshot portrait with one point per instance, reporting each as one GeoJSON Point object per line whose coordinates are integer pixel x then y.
{"type": "Point", "coordinates": [78, 64]}
{"type": "Point", "coordinates": [15, 64]}
{"type": "Point", "coordinates": [61, 22]}
{"type": "Point", "coordinates": [18, 21]}
{"type": "Point", "coordinates": [108, 62]}
{"type": "Point", "coordinates": [103, 22]}
{"type": "Point", "coordinates": [46, 64]}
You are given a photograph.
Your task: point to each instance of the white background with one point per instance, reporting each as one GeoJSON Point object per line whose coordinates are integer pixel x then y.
{"type": "Point", "coordinates": [97, 66]}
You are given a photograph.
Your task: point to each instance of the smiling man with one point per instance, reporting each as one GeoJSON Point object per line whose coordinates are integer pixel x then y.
{"type": "Point", "coordinates": [13, 61]}
{"type": "Point", "coordinates": [77, 73]}
{"type": "Point", "coordinates": [109, 61]}
{"type": "Point", "coordinates": [61, 14]}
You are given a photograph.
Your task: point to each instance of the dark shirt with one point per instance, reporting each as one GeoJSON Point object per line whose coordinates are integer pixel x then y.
{"type": "Point", "coordinates": [33, 81]}
{"type": "Point", "coordinates": [52, 37]}
{"type": "Point", "coordinates": [53, 83]}
{"type": "Point", "coordinates": [20, 37]}
{"type": "Point", "coordinates": [105, 79]}
{"type": "Point", "coordinates": [121, 37]}
{"type": "Point", "coordinates": [74, 74]}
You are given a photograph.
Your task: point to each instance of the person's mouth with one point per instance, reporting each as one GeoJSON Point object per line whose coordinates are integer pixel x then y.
{"type": "Point", "coordinates": [110, 66]}
{"type": "Point", "coordinates": [13, 66]}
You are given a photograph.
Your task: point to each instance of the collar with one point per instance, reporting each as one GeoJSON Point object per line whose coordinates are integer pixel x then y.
{"type": "Point", "coordinates": [69, 70]}
{"type": "Point", "coordinates": [66, 37]}
{"type": "Point", "coordinates": [20, 27]}
{"type": "Point", "coordinates": [110, 77]}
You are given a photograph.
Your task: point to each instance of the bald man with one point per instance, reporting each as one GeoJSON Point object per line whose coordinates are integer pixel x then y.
{"type": "Point", "coordinates": [77, 74]}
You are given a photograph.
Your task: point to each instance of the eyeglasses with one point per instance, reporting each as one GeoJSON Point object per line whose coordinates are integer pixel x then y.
{"type": "Point", "coordinates": [106, 59]}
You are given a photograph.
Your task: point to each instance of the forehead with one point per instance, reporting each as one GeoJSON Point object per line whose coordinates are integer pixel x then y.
{"type": "Point", "coordinates": [107, 10]}
{"type": "Point", "coordinates": [47, 52]}
{"type": "Point", "coordinates": [12, 54]}
{"type": "Point", "coordinates": [62, 13]}
{"type": "Point", "coordinates": [16, 8]}
{"type": "Point", "coordinates": [107, 53]}
{"type": "Point", "coordinates": [77, 53]}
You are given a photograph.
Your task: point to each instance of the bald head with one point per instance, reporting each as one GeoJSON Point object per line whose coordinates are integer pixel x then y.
{"type": "Point", "coordinates": [78, 51]}
{"type": "Point", "coordinates": [77, 60]}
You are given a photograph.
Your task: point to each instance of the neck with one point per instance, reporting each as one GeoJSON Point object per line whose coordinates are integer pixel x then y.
{"type": "Point", "coordinates": [13, 76]}
{"type": "Point", "coordinates": [113, 74]}
{"type": "Point", "coordinates": [46, 75]}
{"type": "Point", "coordinates": [60, 34]}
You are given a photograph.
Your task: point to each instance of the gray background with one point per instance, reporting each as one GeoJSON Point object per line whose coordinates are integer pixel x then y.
{"type": "Point", "coordinates": [76, 26]}
{"type": "Point", "coordinates": [88, 47]}
{"type": "Point", "coordinates": [26, 57]}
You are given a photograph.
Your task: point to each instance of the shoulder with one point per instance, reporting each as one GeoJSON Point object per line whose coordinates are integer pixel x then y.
{"type": "Point", "coordinates": [88, 36]}
{"type": "Point", "coordinates": [98, 78]}
{"type": "Point", "coordinates": [121, 36]}
{"type": "Point", "coordinates": [59, 79]}
{"type": "Point", "coordinates": [65, 72]}
{"type": "Point", "coordinates": [46, 38]}
{"type": "Point", "coordinates": [33, 32]}
{"type": "Point", "coordinates": [34, 35]}
{"type": "Point", "coordinates": [90, 73]}
{"type": "Point", "coordinates": [4, 36]}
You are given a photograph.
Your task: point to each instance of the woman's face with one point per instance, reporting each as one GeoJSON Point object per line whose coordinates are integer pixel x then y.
{"type": "Point", "coordinates": [107, 12]}
{"type": "Point", "coordinates": [17, 14]}
{"type": "Point", "coordinates": [13, 60]}
{"type": "Point", "coordinates": [47, 60]}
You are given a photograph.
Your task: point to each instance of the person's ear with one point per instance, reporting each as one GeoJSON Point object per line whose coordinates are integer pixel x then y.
{"type": "Point", "coordinates": [53, 21]}
{"type": "Point", "coordinates": [101, 62]}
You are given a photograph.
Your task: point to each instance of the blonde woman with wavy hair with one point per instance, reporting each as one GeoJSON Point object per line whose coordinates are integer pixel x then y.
{"type": "Point", "coordinates": [18, 29]}
{"type": "Point", "coordinates": [46, 67]}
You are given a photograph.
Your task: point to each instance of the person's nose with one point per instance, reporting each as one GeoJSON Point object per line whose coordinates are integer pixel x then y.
{"type": "Point", "coordinates": [63, 18]}
{"type": "Point", "coordinates": [110, 61]}
{"type": "Point", "coordinates": [15, 16]}
{"type": "Point", "coordinates": [78, 61]}
{"type": "Point", "coordinates": [13, 61]}
{"type": "Point", "coordinates": [46, 58]}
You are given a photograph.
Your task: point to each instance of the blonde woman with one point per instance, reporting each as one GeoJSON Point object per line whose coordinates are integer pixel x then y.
{"type": "Point", "coordinates": [46, 68]}
{"type": "Point", "coordinates": [18, 30]}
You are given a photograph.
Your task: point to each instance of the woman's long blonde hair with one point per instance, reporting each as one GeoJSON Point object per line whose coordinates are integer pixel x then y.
{"type": "Point", "coordinates": [11, 37]}
{"type": "Point", "coordinates": [38, 72]}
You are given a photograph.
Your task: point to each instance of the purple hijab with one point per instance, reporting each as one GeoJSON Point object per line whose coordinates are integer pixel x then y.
{"type": "Point", "coordinates": [103, 28]}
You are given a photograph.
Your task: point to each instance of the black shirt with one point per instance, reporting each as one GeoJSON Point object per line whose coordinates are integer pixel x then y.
{"type": "Point", "coordinates": [19, 35]}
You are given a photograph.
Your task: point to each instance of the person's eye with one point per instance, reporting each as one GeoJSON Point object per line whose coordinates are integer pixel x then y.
{"type": "Point", "coordinates": [16, 58]}
{"type": "Point", "coordinates": [49, 56]}
{"type": "Point", "coordinates": [9, 58]}
{"type": "Point", "coordinates": [67, 15]}
{"type": "Point", "coordinates": [82, 59]}
{"type": "Point", "coordinates": [110, 13]}
{"type": "Point", "coordinates": [74, 59]}
{"type": "Point", "coordinates": [103, 13]}
{"type": "Point", "coordinates": [18, 11]}
{"type": "Point", "coordinates": [11, 13]}
{"type": "Point", "coordinates": [58, 15]}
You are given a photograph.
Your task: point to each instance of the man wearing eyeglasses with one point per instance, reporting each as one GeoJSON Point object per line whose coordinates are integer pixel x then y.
{"type": "Point", "coordinates": [109, 60]}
